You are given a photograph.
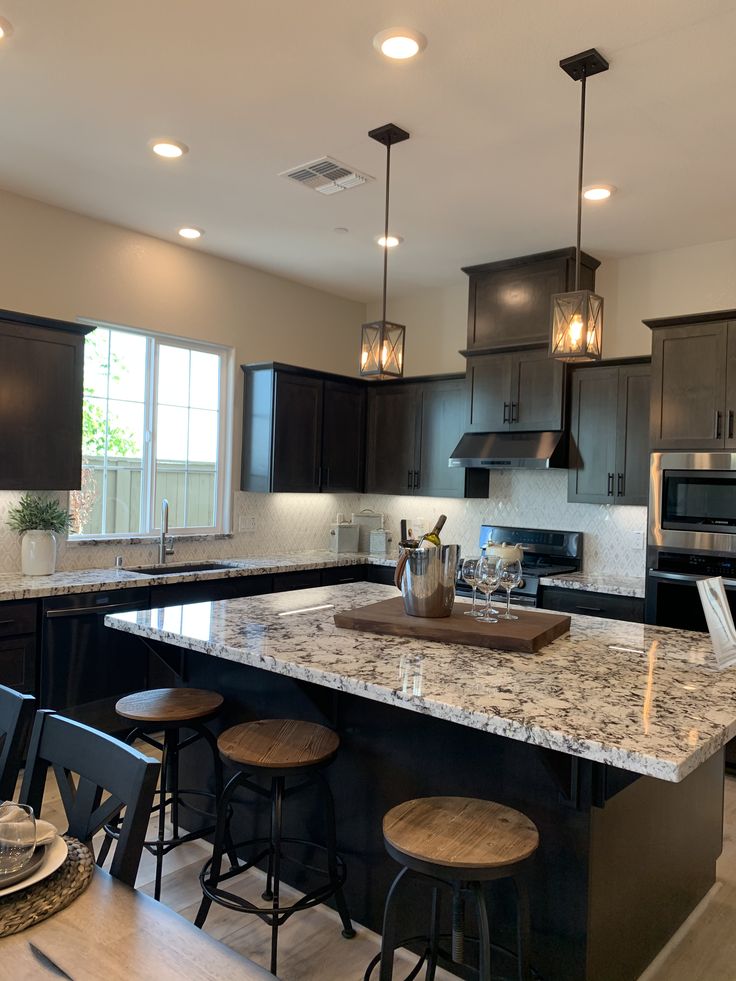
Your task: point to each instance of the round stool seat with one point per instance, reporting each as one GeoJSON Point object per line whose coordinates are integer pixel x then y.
{"type": "Point", "coordinates": [278, 744]}
{"type": "Point", "coordinates": [460, 832]}
{"type": "Point", "coordinates": [170, 705]}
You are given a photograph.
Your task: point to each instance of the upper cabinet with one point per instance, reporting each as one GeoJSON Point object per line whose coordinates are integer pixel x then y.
{"type": "Point", "coordinates": [509, 301]}
{"type": "Point", "coordinates": [413, 428]}
{"type": "Point", "coordinates": [302, 431]}
{"type": "Point", "coordinates": [41, 379]}
{"type": "Point", "coordinates": [693, 402]}
{"type": "Point", "coordinates": [609, 451]}
{"type": "Point", "coordinates": [520, 391]}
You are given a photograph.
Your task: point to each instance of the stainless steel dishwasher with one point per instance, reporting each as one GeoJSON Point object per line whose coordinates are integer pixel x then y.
{"type": "Point", "coordinates": [85, 667]}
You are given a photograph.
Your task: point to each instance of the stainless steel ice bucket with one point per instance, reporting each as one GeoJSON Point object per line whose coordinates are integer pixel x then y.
{"type": "Point", "coordinates": [428, 580]}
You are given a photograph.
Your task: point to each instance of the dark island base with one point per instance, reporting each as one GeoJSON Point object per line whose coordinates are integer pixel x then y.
{"type": "Point", "coordinates": [622, 862]}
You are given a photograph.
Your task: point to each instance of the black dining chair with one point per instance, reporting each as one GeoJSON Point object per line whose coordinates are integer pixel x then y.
{"type": "Point", "coordinates": [101, 764]}
{"type": "Point", "coordinates": [16, 715]}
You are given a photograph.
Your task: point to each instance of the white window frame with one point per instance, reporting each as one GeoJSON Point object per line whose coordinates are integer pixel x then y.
{"type": "Point", "coordinates": [150, 522]}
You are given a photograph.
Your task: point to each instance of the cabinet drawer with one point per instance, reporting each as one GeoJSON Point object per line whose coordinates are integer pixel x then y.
{"type": "Point", "coordinates": [340, 575]}
{"type": "Point", "coordinates": [284, 581]}
{"type": "Point", "coordinates": [17, 618]}
{"type": "Point", "coordinates": [18, 663]}
{"type": "Point", "coordinates": [591, 604]}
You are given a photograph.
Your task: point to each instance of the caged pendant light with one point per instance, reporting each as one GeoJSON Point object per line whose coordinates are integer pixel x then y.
{"type": "Point", "coordinates": [577, 317]}
{"type": "Point", "coordinates": [382, 342]}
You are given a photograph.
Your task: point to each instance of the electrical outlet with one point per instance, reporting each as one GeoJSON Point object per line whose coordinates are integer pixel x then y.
{"type": "Point", "coordinates": [637, 540]}
{"type": "Point", "coordinates": [247, 524]}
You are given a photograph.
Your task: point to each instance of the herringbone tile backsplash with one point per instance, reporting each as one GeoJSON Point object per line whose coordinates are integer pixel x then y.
{"type": "Point", "coordinates": [298, 522]}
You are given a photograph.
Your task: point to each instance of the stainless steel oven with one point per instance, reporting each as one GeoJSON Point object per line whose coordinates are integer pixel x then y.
{"type": "Point", "coordinates": [692, 502]}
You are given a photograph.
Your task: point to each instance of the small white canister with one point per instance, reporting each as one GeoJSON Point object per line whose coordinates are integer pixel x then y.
{"type": "Point", "coordinates": [344, 537]}
{"type": "Point", "coordinates": [38, 553]}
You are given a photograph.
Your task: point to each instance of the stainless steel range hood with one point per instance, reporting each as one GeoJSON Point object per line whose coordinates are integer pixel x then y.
{"type": "Point", "coordinates": [498, 451]}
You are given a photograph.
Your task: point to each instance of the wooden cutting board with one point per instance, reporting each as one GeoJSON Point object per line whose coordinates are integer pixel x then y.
{"type": "Point", "coordinates": [530, 633]}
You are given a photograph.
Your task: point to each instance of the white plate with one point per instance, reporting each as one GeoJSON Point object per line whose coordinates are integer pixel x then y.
{"type": "Point", "coordinates": [56, 852]}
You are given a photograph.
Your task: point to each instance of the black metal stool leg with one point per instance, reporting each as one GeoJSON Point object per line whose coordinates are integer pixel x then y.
{"type": "Point", "coordinates": [389, 937]}
{"type": "Point", "coordinates": [458, 924]}
{"type": "Point", "coordinates": [267, 893]}
{"type": "Point", "coordinates": [484, 933]}
{"type": "Point", "coordinates": [174, 780]}
{"type": "Point", "coordinates": [217, 848]}
{"type": "Point", "coordinates": [522, 927]}
{"type": "Point", "coordinates": [342, 907]}
{"type": "Point", "coordinates": [162, 815]}
{"type": "Point", "coordinates": [277, 801]}
{"type": "Point", "coordinates": [434, 936]}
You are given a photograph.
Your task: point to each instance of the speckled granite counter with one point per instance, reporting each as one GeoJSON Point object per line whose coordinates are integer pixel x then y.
{"type": "Point", "coordinates": [16, 587]}
{"type": "Point", "coordinates": [614, 585]}
{"type": "Point", "coordinates": [593, 693]}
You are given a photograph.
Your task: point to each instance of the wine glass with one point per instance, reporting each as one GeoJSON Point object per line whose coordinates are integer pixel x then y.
{"type": "Point", "coordinates": [17, 836]}
{"type": "Point", "coordinates": [509, 576]}
{"type": "Point", "coordinates": [469, 572]}
{"type": "Point", "coordinates": [487, 577]}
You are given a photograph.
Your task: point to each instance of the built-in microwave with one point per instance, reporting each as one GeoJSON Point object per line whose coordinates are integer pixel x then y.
{"type": "Point", "coordinates": [692, 502]}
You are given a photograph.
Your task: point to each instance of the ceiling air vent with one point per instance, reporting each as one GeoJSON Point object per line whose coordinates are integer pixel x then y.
{"type": "Point", "coordinates": [326, 175]}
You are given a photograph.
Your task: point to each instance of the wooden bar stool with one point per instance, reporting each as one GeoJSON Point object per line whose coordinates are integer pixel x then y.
{"type": "Point", "coordinates": [458, 842]}
{"type": "Point", "coordinates": [279, 750]}
{"type": "Point", "coordinates": [169, 710]}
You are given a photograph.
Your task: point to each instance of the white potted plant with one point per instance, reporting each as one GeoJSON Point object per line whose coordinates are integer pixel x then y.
{"type": "Point", "coordinates": [38, 520]}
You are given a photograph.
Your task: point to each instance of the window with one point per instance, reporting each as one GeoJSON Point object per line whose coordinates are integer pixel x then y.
{"type": "Point", "coordinates": [155, 424]}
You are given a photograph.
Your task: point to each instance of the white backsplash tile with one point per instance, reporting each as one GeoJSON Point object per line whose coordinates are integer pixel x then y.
{"type": "Point", "coordinates": [299, 522]}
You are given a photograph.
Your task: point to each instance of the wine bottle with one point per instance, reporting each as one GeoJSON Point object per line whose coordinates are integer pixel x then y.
{"type": "Point", "coordinates": [433, 537]}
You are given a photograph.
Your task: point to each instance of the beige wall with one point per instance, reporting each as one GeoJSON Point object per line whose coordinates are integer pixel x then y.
{"type": "Point", "coordinates": [691, 280]}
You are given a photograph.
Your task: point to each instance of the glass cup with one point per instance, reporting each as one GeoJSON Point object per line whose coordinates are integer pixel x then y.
{"type": "Point", "coordinates": [469, 572]}
{"type": "Point", "coordinates": [487, 582]}
{"type": "Point", "coordinates": [17, 836]}
{"type": "Point", "coordinates": [509, 576]}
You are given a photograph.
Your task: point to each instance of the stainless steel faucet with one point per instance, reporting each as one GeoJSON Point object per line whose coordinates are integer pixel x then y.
{"type": "Point", "coordinates": [164, 547]}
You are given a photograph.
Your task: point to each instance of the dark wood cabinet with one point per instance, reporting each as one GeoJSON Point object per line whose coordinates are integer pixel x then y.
{"type": "Point", "coordinates": [41, 378]}
{"type": "Point", "coordinates": [609, 451]}
{"type": "Point", "coordinates": [693, 400]}
{"type": "Point", "coordinates": [519, 391]}
{"type": "Point", "coordinates": [303, 431]}
{"type": "Point", "coordinates": [509, 301]}
{"type": "Point", "coordinates": [412, 430]}
{"type": "Point", "coordinates": [588, 603]}
{"type": "Point", "coordinates": [18, 645]}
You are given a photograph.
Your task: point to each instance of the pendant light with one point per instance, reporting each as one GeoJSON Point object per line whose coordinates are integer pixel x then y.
{"type": "Point", "coordinates": [382, 342]}
{"type": "Point", "coordinates": [577, 317]}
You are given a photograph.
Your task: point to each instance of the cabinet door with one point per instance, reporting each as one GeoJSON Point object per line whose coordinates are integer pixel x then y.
{"type": "Point", "coordinates": [688, 387]}
{"type": "Point", "coordinates": [632, 451]}
{"type": "Point", "coordinates": [18, 663]}
{"type": "Point", "coordinates": [488, 393]}
{"type": "Point", "coordinates": [537, 392]}
{"type": "Point", "coordinates": [592, 473]}
{"type": "Point", "coordinates": [297, 436]}
{"type": "Point", "coordinates": [391, 458]}
{"type": "Point", "coordinates": [442, 418]}
{"type": "Point", "coordinates": [511, 307]}
{"type": "Point", "coordinates": [730, 425]}
{"type": "Point", "coordinates": [40, 408]}
{"type": "Point", "coordinates": [343, 437]}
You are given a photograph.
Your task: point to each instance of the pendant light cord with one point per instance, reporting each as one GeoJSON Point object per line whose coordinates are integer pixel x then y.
{"type": "Point", "coordinates": [580, 183]}
{"type": "Point", "coordinates": [385, 229]}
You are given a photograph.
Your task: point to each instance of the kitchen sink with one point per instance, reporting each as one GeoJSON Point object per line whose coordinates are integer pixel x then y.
{"type": "Point", "coordinates": [171, 568]}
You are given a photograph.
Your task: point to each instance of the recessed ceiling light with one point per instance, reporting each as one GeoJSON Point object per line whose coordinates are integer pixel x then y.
{"type": "Point", "coordinates": [6, 28]}
{"type": "Point", "coordinates": [391, 242]}
{"type": "Point", "coordinates": [170, 149]}
{"type": "Point", "coordinates": [598, 192]}
{"type": "Point", "coordinates": [399, 43]}
{"type": "Point", "coordinates": [191, 232]}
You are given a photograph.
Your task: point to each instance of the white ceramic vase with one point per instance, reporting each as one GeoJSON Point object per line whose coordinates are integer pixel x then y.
{"type": "Point", "coordinates": [38, 553]}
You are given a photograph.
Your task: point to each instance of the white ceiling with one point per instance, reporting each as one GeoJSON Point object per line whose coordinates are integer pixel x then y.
{"type": "Point", "coordinates": [490, 170]}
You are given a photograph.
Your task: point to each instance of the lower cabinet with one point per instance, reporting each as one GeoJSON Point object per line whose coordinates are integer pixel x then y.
{"type": "Point", "coordinates": [607, 605]}
{"type": "Point", "coordinates": [18, 644]}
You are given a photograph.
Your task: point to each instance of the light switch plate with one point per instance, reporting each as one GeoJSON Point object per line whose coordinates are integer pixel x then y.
{"type": "Point", "coordinates": [637, 540]}
{"type": "Point", "coordinates": [247, 524]}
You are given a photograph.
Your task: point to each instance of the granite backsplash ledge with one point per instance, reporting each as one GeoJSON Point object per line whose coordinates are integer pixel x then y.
{"type": "Point", "coordinates": [285, 523]}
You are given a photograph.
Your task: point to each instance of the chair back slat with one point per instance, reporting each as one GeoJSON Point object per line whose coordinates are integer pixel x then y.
{"type": "Point", "coordinates": [101, 763]}
{"type": "Point", "coordinates": [16, 715]}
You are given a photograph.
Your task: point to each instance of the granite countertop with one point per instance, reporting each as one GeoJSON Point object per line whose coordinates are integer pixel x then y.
{"type": "Point", "coordinates": [16, 586]}
{"type": "Point", "coordinates": [599, 692]}
{"type": "Point", "coordinates": [615, 585]}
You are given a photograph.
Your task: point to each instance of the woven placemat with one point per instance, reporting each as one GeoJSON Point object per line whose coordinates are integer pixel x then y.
{"type": "Point", "coordinates": [22, 909]}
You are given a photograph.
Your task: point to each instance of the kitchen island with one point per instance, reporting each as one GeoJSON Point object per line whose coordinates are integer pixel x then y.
{"type": "Point", "coordinates": [610, 742]}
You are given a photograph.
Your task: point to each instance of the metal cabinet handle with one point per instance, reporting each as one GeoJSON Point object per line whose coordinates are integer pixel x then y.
{"type": "Point", "coordinates": [417, 482]}
{"type": "Point", "coordinates": [730, 423]}
{"type": "Point", "coordinates": [590, 609]}
{"type": "Point", "coordinates": [514, 412]}
{"type": "Point", "coordinates": [719, 416]}
{"type": "Point", "coordinates": [610, 485]}
{"type": "Point", "coordinates": [6, 623]}
{"type": "Point", "coordinates": [506, 412]}
{"type": "Point", "coordinates": [620, 488]}
{"type": "Point", "coordinates": [410, 479]}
